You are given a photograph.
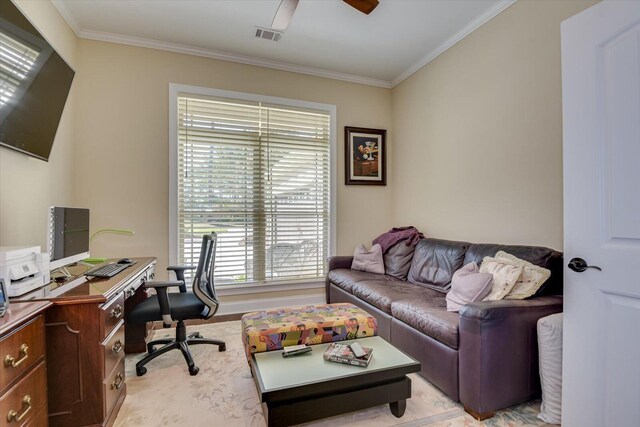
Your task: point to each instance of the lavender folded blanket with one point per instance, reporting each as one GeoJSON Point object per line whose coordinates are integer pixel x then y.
{"type": "Point", "coordinates": [397, 235]}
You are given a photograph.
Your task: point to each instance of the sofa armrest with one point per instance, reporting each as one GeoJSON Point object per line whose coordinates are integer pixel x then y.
{"type": "Point", "coordinates": [336, 262]}
{"type": "Point", "coordinates": [498, 352]}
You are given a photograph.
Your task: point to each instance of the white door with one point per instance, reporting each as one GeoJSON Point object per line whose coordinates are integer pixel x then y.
{"type": "Point", "coordinates": [601, 117]}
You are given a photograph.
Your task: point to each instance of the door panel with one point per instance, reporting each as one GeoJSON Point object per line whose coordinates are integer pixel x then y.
{"type": "Point", "coordinates": [621, 354]}
{"type": "Point", "coordinates": [619, 98]}
{"type": "Point", "coordinates": [601, 156]}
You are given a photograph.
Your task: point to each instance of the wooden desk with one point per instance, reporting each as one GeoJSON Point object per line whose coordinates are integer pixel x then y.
{"type": "Point", "coordinates": [86, 336]}
{"type": "Point", "coordinates": [23, 387]}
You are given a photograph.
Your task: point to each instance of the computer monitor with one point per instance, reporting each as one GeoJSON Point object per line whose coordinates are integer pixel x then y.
{"type": "Point", "coordinates": [4, 298]}
{"type": "Point", "coordinates": [68, 236]}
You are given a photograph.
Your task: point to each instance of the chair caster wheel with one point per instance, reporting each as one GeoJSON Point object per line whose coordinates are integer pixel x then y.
{"type": "Point", "coordinates": [222, 348]}
{"type": "Point", "coordinates": [197, 335]}
{"type": "Point", "coordinates": [194, 370]}
{"type": "Point", "coordinates": [141, 371]}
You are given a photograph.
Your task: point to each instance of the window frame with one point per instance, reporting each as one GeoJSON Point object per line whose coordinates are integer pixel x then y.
{"type": "Point", "coordinates": [175, 90]}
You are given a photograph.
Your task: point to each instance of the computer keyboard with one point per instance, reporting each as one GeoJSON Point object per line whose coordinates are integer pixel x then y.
{"type": "Point", "coordinates": [108, 270]}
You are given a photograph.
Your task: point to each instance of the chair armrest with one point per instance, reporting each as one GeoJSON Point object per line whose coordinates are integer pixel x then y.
{"type": "Point", "coordinates": [336, 262]}
{"type": "Point", "coordinates": [163, 299]}
{"type": "Point", "coordinates": [498, 351]}
{"type": "Point", "coordinates": [179, 272]}
{"type": "Point", "coordinates": [181, 267]}
{"type": "Point", "coordinates": [167, 284]}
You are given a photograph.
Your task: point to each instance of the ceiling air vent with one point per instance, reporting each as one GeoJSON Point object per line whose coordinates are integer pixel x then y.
{"type": "Point", "coordinates": [265, 33]}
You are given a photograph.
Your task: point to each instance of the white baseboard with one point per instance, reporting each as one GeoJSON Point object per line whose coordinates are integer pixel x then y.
{"type": "Point", "coordinates": [245, 306]}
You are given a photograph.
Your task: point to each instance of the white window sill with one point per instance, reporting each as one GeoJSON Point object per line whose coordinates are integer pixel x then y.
{"type": "Point", "coordinates": [252, 288]}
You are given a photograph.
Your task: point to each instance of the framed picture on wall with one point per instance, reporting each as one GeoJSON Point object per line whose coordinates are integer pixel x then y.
{"type": "Point", "coordinates": [365, 159]}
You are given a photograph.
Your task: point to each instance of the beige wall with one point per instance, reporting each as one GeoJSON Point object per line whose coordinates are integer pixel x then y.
{"type": "Point", "coordinates": [122, 140]}
{"type": "Point", "coordinates": [28, 186]}
{"type": "Point", "coordinates": [478, 133]}
{"type": "Point", "coordinates": [474, 138]}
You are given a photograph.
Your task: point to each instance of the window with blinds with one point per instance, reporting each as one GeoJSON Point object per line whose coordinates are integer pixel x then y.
{"type": "Point", "coordinates": [258, 175]}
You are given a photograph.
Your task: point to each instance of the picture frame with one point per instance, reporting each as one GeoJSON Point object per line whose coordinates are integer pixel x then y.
{"type": "Point", "coordinates": [365, 156]}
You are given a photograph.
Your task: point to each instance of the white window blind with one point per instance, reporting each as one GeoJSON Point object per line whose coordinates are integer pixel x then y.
{"type": "Point", "coordinates": [259, 176]}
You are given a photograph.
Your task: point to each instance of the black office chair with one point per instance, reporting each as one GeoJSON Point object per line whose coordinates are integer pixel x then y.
{"type": "Point", "coordinates": [202, 303]}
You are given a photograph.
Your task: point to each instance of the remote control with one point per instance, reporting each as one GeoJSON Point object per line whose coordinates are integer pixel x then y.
{"type": "Point", "coordinates": [357, 350]}
{"type": "Point", "coordinates": [295, 350]}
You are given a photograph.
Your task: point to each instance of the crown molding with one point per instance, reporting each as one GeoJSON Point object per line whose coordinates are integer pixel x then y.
{"type": "Point", "coordinates": [63, 10]}
{"type": "Point", "coordinates": [277, 65]}
{"type": "Point", "coordinates": [489, 14]}
{"type": "Point", "coordinates": [67, 15]}
{"type": "Point", "coordinates": [232, 57]}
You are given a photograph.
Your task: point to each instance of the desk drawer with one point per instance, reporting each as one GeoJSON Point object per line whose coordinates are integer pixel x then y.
{"type": "Point", "coordinates": [20, 351]}
{"type": "Point", "coordinates": [39, 419]}
{"type": "Point", "coordinates": [113, 386]}
{"type": "Point", "coordinates": [113, 348]}
{"type": "Point", "coordinates": [112, 312]}
{"type": "Point", "coordinates": [134, 284]}
{"type": "Point", "coordinates": [24, 401]}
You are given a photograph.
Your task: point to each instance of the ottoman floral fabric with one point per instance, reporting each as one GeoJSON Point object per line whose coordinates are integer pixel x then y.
{"type": "Point", "coordinates": [314, 324]}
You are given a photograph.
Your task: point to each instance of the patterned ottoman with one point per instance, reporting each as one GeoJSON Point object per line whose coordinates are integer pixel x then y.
{"type": "Point", "coordinates": [313, 324]}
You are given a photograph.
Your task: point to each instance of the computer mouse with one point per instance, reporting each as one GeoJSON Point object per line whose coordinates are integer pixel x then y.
{"type": "Point", "coordinates": [125, 261]}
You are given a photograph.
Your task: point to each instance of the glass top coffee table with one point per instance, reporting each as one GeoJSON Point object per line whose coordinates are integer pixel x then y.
{"type": "Point", "coordinates": [306, 387]}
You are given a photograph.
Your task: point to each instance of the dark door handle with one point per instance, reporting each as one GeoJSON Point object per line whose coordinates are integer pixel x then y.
{"type": "Point", "coordinates": [579, 265]}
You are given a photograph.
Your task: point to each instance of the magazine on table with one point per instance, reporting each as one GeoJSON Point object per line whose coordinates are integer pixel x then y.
{"type": "Point", "coordinates": [341, 353]}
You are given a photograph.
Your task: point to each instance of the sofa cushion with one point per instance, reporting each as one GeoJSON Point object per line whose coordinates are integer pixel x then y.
{"type": "Point", "coordinates": [381, 292]}
{"type": "Point", "coordinates": [397, 260]}
{"type": "Point", "coordinates": [534, 254]}
{"type": "Point", "coordinates": [368, 259]}
{"type": "Point", "coordinates": [532, 277]}
{"type": "Point", "coordinates": [505, 275]}
{"type": "Point", "coordinates": [345, 278]}
{"type": "Point", "coordinates": [538, 255]}
{"type": "Point", "coordinates": [435, 261]}
{"type": "Point", "coordinates": [429, 316]}
{"type": "Point", "coordinates": [468, 285]}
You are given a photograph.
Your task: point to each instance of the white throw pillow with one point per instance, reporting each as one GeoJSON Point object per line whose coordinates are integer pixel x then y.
{"type": "Point", "coordinates": [368, 260]}
{"type": "Point", "coordinates": [532, 277]}
{"type": "Point", "coordinates": [505, 275]}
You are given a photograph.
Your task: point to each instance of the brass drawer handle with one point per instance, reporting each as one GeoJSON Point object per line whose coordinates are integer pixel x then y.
{"type": "Point", "coordinates": [118, 382]}
{"type": "Point", "coordinates": [117, 347]}
{"type": "Point", "coordinates": [116, 312]}
{"type": "Point", "coordinates": [10, 361]}
{"type": "Point", "coordinates": [17, 416]}
{"type": "Point", "coordinates": [131, 292]}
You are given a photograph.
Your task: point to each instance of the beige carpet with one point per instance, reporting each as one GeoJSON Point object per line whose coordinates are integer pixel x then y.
{"type": "Point", "coordinates": [223, 394]}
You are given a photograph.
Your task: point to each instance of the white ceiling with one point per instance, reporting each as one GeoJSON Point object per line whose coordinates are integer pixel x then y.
{"type": "Point", "coordinates": [325, 37]}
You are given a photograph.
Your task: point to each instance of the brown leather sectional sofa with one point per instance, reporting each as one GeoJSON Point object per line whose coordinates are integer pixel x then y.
{"type": "Point", "coordinates": [485, 356]}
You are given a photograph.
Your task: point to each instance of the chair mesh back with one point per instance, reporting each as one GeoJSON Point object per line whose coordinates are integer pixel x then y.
{"type": "Point", "coordinates": [203, 280]}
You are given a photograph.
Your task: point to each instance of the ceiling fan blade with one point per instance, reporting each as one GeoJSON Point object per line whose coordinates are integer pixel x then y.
{"type": "Point", "coordinates": [284, 14]}
{"type": "Point", "coordinates": [364, 6]}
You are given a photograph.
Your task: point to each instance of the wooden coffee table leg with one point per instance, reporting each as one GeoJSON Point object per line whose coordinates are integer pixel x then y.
{"type": "Point", "coordinates": [397, 408]}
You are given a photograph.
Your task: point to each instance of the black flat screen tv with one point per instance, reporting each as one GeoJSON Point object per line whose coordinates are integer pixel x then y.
{"type": "Point", "coordinates": [34, 85]}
